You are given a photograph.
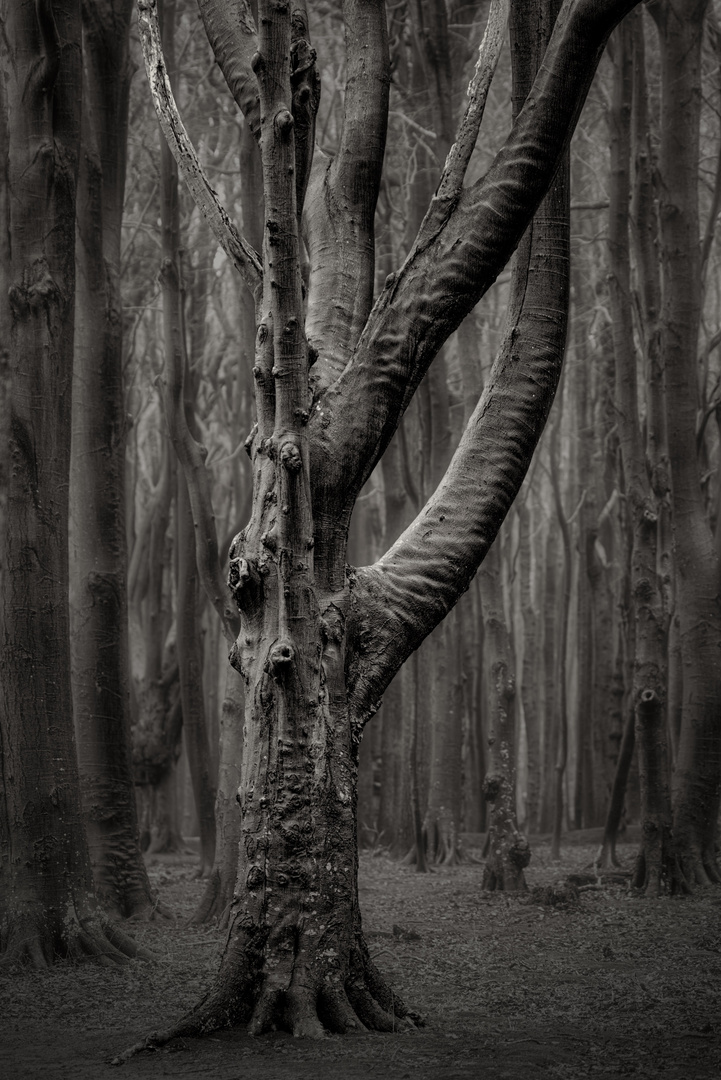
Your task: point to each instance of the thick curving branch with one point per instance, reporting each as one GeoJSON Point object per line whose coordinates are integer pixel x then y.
{"type": "Point", "coordinates": [427, 299]}
{"type": "Point", "coordinates": [400, 599]}
{"type": "Point", "coordinates": [231, 32]}
{"type": "Point", "coordinates": [240, 253]}
{"type": "Point", "coordinates": [342, 196]}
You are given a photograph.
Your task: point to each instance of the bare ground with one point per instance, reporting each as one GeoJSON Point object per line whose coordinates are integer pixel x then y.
{"type": "Point", "coordinates": [610, 985]}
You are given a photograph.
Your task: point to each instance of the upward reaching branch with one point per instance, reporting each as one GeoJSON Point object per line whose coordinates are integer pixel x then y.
{"type": "Point", "coordinates": [343, 194]}
{"type": "Point", "coordinates": [400, 599]}
{"type": "Point", "coordinates": [454, 170]}
{"type": "Point", "coordinates": [427, 299]}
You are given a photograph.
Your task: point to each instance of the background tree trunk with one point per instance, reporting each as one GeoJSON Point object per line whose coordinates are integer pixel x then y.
{"type": "Point", "coordinates": [98, 563]}
{"type": "Point", "coordinates": [47, 903]}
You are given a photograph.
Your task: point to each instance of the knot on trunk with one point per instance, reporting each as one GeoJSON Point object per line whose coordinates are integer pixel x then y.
{"type": "Point", "coordinates": [290, 457]}
{"type": "Point", "coordinates": [255, 878]}
{"type": "Point", "coordinates": [243, 581]}
{"type": "Point", "coordinates": [492, 787]}
{"type": "Point", "coordinates": [280, 658]}
{"type": "Point", "coordinates": [520, 852]}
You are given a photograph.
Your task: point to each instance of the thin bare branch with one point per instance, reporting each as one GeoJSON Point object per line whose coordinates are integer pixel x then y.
{"type": "Point", "coordinates": [240, 253]}
{"type": "Point", "coordinates": [489, 51]}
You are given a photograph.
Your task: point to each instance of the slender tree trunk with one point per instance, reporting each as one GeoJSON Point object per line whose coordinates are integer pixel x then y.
{"type": "Point", "coordinates": [190, 667]}
{"type": "Point", "coordinates": [564, 609]}
{"type": "Point", "coordinates": [531, 675]}
{"type": "Point", "coordinates": [217, 898]}
{"type": "Point", "coordinates": [98, 614]}
{"type": "Point", "coordinates": [655, 866]}
{"type": "Point", "coordinates": [189, 644]}
{"type": "Point", "coordinates": [697, 780]}
{"type": "Point", "coordinates": [508, 850]}
{"type": "Point", "coordinates": [606, 857]}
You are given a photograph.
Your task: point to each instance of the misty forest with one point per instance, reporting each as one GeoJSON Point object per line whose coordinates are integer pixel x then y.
{"type": "Point", "coordinates": [360, 538]}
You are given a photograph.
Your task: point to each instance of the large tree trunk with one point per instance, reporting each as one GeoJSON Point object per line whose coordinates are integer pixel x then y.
{"type": "Point", "coordinates": [98, 614]}
{"type": "Point", "coordinates": [47, 904]}
{"type": "Point", "coordinates": [319, 643]}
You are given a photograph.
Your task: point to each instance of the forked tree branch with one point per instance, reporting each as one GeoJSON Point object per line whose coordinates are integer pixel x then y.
{"type": "Point", "coordinates": [240, 253]}
{"type": "Point", "coordinates": [428, 298]}
{"type": "Point", "coordinates": [401, 598]}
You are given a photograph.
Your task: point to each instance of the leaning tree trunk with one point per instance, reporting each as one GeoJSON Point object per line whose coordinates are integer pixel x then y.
{"type": "Point", "coordinates": [99, 614]}
{"type": "Point", "coordinates": [47, 905]}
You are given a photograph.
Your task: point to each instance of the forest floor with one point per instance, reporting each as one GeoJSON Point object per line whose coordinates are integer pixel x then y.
{"type": "Point", "coordinates": [607, 985]}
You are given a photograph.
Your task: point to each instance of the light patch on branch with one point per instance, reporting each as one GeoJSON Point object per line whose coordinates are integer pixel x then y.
{"type": "Point", "coordinates": [240, 253]}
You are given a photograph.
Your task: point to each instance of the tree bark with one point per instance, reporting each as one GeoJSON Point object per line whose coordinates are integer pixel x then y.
{"type": "Point", "coordinates": [98, 563]}
{"type": "Point", "coordinates": [655, 866]}
{"type": "Point", "coordinates": [320, 643]}
{"type": "Point", "coordinates": [47, 904]}
{"type": "Point", "coordinates": [697, 780]}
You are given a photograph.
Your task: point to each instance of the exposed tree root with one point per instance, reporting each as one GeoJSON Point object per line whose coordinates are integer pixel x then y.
{"type": "Point", "coordinates": [39, 942]}
{"type": "Point", "coordinates": [276, 982]}
{"type": "Point", "coordinates": [214, 903]}
{"type": "Point", "coordinates": [151, 911]}
{"type": "Point", "coordinates": [607, 859]}
{"type": "Point", "coordinates": [505, 864]}
{"type": "Point", "coordinates": [698, 868]}
{"type": "Point", "coordinates": [658, 869]}
{"type": "Point", "coordinates": [442, 843]}
{"type": "Point", "coordinates": [411, 858]}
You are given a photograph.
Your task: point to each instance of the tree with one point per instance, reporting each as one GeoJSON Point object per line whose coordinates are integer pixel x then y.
{"type": "Point", "coordinates": [98, 551]}
{"type": "Point", "coordinates": [47, 905]}
{"type": "Point", "coordinates": [698, 766]}
{"type": "Point", "coordinates": [334, 372]}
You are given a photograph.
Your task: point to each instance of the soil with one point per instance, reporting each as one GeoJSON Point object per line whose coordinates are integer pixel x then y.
{"type": "Point", "coordinates": [566, 984]}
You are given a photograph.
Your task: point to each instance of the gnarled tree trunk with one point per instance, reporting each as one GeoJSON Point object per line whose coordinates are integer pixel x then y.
{"type": "Point", "coordinates": [319, 643]}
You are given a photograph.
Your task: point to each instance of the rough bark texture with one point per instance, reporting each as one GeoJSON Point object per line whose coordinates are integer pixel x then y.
{"type": "Point", "coordinates": [47, 905]}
